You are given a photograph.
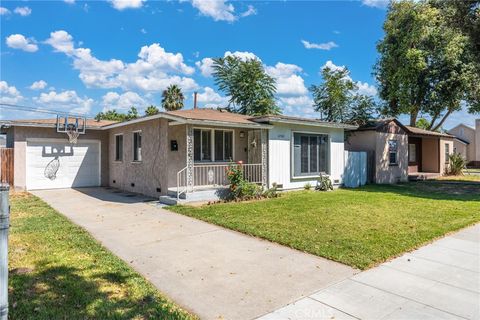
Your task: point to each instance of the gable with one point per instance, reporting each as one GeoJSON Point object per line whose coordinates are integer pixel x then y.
{"type": "Point", "coordinates": [391, 127]}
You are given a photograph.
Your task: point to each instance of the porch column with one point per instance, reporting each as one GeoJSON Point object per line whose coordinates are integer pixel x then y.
{"type": "Point", "coordinates": [264, 153]}
{"type": "Point", "coordinates": [190, 181]}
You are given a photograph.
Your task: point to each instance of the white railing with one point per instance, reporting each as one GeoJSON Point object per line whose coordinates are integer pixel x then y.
{"type": "Point", "coordinates": [182, 185]}
{"type": "Point", "coordinates": [216, 174]}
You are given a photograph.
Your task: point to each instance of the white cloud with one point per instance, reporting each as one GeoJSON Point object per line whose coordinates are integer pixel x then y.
{"type": "Point", "coordinates": [243, 55]}
{"type": "Point", "coordinates": [331, 65]}
{"type": "Point", "coordinates": [219, 10]}
{"type": "Point", "coordinates": [287, 79]}
{"type": "Point", "coordinates": [68, 100]}
{"type": "Point", "coordinates": [209, 98]}
{"type": "Point", "coordinates": [122, 102]}
{"type": "Point", "coordinates": [205, 66]}
{"type": "Point", "coordinates": [376, 3]}
{"type": "Point", "coordinates": [69, 1]}
{"type": "Point", "coordinates": [4, 11]}
{"type": "Point", "coordinates": [38, 85]}
{"type": "Point", "coordinates": [154, 69]}
{"type": "Point", "coordinates": [18, 41]}
{"type": "Point", "coordinates": [9, 94]}
{"type": "Point", "coordinates": [23, 11]}
{"type": "Point", "coordinates": [249, 12]}
{"type": "Point", "coordinates": [366, 89]}
{"type": "Point", "coordinates": [322, 46]}
{"type": "Point", "coordinates": [143, 31]}
{"type": "Point", "coordinates": [301, 106]}
{"type": "Point", "coordinates": [126, 4]}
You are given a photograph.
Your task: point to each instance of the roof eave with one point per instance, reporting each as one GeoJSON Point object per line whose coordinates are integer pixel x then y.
{"type": "Point", "coordinates": [308, 123]}
{"type": "Point", "coordinates": [38, 125]}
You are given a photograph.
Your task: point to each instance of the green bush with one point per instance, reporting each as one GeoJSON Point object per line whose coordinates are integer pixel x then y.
{"type": "Point", "coordinates": [456, 164]}
{"type": "Point", "coordinates": [271, 192]}
{"type": "Point", "coordinates": [307, 186]}
{"type": "Point", "coordinates": [324, 183]}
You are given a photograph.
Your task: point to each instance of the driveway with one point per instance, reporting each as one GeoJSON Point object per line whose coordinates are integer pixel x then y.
{"type": "Point", "coordinates": [438, 281]}
{"type": "Point", "coordinates": [210, 271]}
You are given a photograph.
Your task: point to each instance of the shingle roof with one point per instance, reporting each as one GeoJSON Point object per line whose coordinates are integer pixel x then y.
{"type": "Point", "coordinates": [376, 124]}
{"type": "Point", "coordinates": [422, 132]}
{"type": "Point", "coordinates": [307, 121]}
{"type": "Point", "coordinates": [91, 123]}
{"type": "Point", "coordinates": [211, 115]}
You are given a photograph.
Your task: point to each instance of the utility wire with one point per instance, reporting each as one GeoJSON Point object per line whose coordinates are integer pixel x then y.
{"type": "Point", "coordinates": [32, 109]}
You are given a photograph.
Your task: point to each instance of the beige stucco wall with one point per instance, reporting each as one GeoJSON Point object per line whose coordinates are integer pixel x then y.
{"type": "Point", "coordinates": [468, 134]}
{"type": "Point", "coordinates": [386, 173]}
{"type": "Point", "coordinates": [19, 143]}
{"type": "Point", "coordinates": [430, 155]}
{"type": "Point", "coordinates": [443, 157]}
{"type": "Point", "coordinates": [150, 173]}
{"type": "Point", "coordinates": [361, 140]}
{"type": "Point", "coordinates": [460, 148]}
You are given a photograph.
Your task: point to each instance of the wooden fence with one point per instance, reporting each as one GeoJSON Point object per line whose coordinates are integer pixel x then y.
{"type": "Point", "coordinates": [6, 165]}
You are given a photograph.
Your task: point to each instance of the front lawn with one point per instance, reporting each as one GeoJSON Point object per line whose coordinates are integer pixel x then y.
{"type": "Point", "coordinates": [58, 271]}
{"type": "Point", "coordinates": [359, 227]}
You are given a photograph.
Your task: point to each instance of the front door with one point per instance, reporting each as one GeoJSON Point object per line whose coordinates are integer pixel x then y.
{"type": "Point", "coordinates": [414, 155]}
{"type": "Point", "coordinates": [254, 154]}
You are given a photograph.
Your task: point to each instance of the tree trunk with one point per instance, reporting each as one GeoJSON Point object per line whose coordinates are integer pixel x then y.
{"type": "Point", "coordinates": [434, 118]}
{"type": "Point", "coordinates": [439, 125]}
{"type": "Point", "coordinates": [413, 118]}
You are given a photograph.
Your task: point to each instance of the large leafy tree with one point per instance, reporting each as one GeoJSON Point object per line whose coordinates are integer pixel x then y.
{"type": "Point", "coordinates": [250, 88]}
{"type": "Point", "coordinates": [151, 110]}
{"type": "Point", "coordinates": [172, 98]}
{"type": "Point", "coordinates": [114, 115]}
{"type": "Point", "coordinates": [338, 100]}
{"type": "Point", "coordinates": [425, 65]}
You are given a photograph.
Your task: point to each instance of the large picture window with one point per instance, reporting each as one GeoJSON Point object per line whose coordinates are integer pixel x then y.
{"type": "Point", "coordinates": [310, 154]}
{"type": "Point", "coordinates": [222, 145]}
{"type": "Point", "coordinates": [137, 146]}
{"type": "Point", "coordinates": [119, 147]}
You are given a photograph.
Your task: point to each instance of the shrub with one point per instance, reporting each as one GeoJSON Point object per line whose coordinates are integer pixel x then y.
{"type": "Point", "coordinates": [324, 183]}
{"type": "Point", "coordinates": [271, 192]}
{"type": "Point", "coordinates": [307, 186]}
{"type": "Point", "coordinates": [456, 164]}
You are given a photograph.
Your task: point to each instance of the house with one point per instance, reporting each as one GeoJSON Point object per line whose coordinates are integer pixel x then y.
{"type": "Point", "coordinates": [180, 153]}
{"type": "Point", "coordinates": [467, 142]}
{"type": "Point", "coordinates": [398, 152]}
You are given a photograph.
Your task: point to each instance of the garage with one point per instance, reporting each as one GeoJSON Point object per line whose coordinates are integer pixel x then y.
{"type": "Point", "coordinates": [55, 163]}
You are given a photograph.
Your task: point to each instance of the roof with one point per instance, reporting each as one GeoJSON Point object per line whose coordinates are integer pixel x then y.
{"type": "Point", "coordinates": [462, 125]}
{"type": "Point", "coordinates": [422, 132]}
{"type": "Point", "coordinates": [377, 124]}
{"type": "Point", "coordinates": [462, 140]}
{"type": "Point", "coordinates": [211, 114]}
{"type": "Point", "coordinates": [303, 121]}
{"type": "Point", "coordinates": [91, 123]}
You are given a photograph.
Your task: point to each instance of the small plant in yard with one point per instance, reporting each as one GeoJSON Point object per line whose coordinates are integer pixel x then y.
{"type": "Point", "coordinates": [456, 164]}
{"type": "Point", "coordinates": [324, 183]}
{"type": "Point", "coordinates": [271, 192]}
{"type": "Point", "coordinates": [241, 189]}
{"type": "Point", "coordinates": [307, 186]}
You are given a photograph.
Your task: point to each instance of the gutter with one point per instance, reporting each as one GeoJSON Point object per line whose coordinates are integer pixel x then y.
{"type": "Point", "coordinates": [309, 123]}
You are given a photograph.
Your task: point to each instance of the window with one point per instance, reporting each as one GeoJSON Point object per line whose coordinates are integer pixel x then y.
{"type": "Point", "coordinates": [310, 154]}
{"type": "Point", "coordinates": [412, 152]}
{"type": "Point", "coordinates": [202, 147]}
{"type": "Point", "coordinates": [447, 153]}
{"type": "Point", "coordinates": [392, 152]}
{"type": "Point", "coordinates": [119, 147]}
{"type": "Point", "coordinates": [137, 146]}
{"type": "Point", "coordinates": [223, 145]}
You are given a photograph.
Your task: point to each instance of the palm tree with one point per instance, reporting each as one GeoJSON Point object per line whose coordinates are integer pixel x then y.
{"type": "Point", "coordinates": [151, 110]}
{"type": "Point", "coordinates": [172, 98]}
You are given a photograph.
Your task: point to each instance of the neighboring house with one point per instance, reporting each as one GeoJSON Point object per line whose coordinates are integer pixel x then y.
{"type": "Point", "coordinates": [398, 152]}
{"type": "Point", "coordinates": [467, 142]}
{"type": "Point", "coordinates": [185, 151]}
{"type": "Point", "coordinates": [3, 140]}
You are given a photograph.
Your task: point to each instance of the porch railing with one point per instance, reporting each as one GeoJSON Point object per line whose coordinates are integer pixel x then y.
{"type": "Point", "coordinates": [215, 175]}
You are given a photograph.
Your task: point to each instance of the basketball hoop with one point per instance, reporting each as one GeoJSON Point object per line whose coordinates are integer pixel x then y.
{"type": "Point", "coordinates": [72, 133]}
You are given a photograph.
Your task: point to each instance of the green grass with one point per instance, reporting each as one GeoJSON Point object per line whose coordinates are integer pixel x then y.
{"type": "Point", "coordinates": [359, 227]}
{"type": "Point", "coordinates": [58, 271]}
{"type": "Point", "coordinates": [466, 178]}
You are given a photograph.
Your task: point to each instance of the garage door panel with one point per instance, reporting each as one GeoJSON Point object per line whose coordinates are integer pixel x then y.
{"type": "Point", "coordinates": [57, 164]}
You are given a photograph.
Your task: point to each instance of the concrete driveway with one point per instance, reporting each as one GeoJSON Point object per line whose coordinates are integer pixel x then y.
{"type": "Point", "coordinates": [210, 271]}
{"type": "Point", "coordinates": [438, 281]}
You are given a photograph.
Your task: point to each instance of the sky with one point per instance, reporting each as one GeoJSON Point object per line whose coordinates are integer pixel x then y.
{"type": "Point", "coordinates": [86, 57]}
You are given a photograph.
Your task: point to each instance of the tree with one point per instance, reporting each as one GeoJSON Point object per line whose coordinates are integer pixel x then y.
{"type": "Point", "coordinates": [425, 64]}
{"type": "Point", "coordinates": [151, 110]}
{"type": "Point", "coordinates": [113, 115]}
{"type": "Point", "coordinates": [338, 100]}
{"type": "Point", "coordinates": [172, 98]}
{"type": "Point", "coordinates": [423, 123]}
{"type": "Point", "coordinates": [250, 88]}
{"type": "Point", "coordinates": [132, 113]}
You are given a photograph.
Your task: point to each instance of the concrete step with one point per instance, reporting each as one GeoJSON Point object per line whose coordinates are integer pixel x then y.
{"type": "Point", "coordinates": [198, 195]}
{"type": "Point", "coordinates": [168, 200]}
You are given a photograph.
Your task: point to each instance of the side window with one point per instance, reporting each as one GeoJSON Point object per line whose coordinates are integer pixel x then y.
{"type": "Point", "coordinates": [392, 152]}
{"type": "Point", "coordinates": [447, 153]}
{"type": "Point", "coordinates": [119, 147]}
{"type": "Point", "coordinates": [137, 146]}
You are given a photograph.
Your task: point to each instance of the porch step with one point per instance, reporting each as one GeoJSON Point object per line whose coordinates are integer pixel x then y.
{"type": "Point", "coordinates": [198, 195]}
{"type": "Point", "coordinates": [169, 200]}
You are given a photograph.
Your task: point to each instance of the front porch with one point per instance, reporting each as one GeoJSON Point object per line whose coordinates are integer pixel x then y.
{"type": "Point", "coordinates": [428, 156]}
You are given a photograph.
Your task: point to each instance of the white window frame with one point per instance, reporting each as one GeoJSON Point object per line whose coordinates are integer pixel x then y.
{"type": "Point", "coordinates": [115, 142]}
{"type": "Point", "coordinates": [292, 156]}
{"type": "Point", "coordinates": [133, 146]}
{"type": "Point", "coordinates": [389, 152]}
{"type": "Point", "coordinates": [212, 144]}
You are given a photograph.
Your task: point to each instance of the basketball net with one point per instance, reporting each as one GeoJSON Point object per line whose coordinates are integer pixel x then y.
{"type": "Point", "coordinates": [72, 135]}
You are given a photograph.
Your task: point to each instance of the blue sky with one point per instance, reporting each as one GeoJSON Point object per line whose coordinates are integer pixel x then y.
{"type": "Point", "coordinates": [90, 56]}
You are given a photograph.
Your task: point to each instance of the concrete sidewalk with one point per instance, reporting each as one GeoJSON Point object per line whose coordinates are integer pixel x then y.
{"type": "Point", "coordinates": [210, 271]}
{"type": "Point", "coordinates": [438, 281]}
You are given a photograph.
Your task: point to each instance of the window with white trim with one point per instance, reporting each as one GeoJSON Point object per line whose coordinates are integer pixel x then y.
{"type": "Point", "coordinates": [137, 146]}
{"type": "Point", "coordinates": [392, 152]}
{"type": "Point", "coordinates": [119, 147]}
{"type": "Point", "coordinates": [310, 154]}
{"type": "Point", "coordinates": [209, 145]}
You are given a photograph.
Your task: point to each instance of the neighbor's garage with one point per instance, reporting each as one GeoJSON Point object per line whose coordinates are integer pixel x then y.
{"type": "Point", "coordinates": [55, 163]}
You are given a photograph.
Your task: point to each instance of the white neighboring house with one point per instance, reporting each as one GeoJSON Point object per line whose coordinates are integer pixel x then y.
{"type": "Point", "coordinates": [467, 142]}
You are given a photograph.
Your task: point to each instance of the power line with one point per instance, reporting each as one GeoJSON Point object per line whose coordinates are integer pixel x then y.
{"type": "Point", "coordinates": [32, 109]}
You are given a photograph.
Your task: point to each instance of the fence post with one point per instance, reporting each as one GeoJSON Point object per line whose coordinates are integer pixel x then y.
{"type": "Point", "coordinates": [4, 225]}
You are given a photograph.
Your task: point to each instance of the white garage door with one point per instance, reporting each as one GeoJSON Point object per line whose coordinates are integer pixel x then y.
{"type": "Point", "coordinates": [55, 163]}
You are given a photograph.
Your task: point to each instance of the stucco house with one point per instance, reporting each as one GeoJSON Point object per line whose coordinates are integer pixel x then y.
{"type": "Point", "coordinates": [467, 142]}
{"type": "Point", "coordinates": [174, 153]}
{"type": "Point", "coordinates": [398, 152]}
